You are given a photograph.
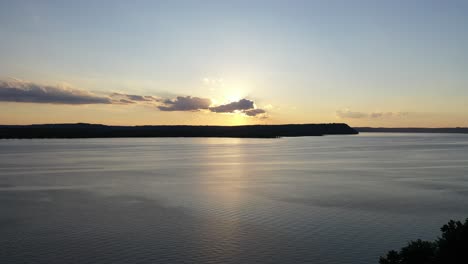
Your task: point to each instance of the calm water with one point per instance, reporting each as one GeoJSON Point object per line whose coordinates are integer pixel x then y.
{"type": "Point", "coordinates": [334, 199]}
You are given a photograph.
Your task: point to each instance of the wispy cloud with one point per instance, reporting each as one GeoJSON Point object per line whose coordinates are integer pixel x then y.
{"type": "Point", "coordinates": [27, 92]}
{"type": "Point", "coordinates": [132, 98]}
{"type": "Point", "coordinates": [213, 81]}
{"type": "Point", "coordinates": [387, 114]}
{"type": "Point", "coordinates": [254, 112]}
{"type": "Point", "coordinates": [346, 113]}
{"type": "Point", "coordinates": [125, 101]}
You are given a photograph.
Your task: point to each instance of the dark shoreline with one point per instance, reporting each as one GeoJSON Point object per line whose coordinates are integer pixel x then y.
{"type": "Point", "coordinates": [456, 130]}
{"type": "Point", "coordinates": [82, 130]}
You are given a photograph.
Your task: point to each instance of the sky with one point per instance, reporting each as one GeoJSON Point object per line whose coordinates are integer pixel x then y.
{"type": "Point", "coordinates": [365, 63]}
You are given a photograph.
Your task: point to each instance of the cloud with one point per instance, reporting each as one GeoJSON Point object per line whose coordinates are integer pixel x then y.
{"type": "Point", "coordinates": [377, 115]}
{"type": "Point", "coordinates": [185, 103]}
{"type": "Point", "coordinates": [125, 101]}
{"type": "Point", "coordinates": [243, 104]}
{"type": "Point", "coordinates": [210, 81]}
{"type": "Point", "coordinates": [21, 91]}
{"type": "Point", "coordinates": [27, 92]}
{"type": "Point", "coordinates": [254, 112]}
{"type": "Point", "coordinates": [387, 114]}
{"type": "Point", "coordinates": [268, 106]}
{"type": "Point", "coordinates": [138, 97]}
{"type": "Point", "coordinates": [188, 103]}
{"type": "Point", "coordinates": [346, 113]}
{"type": "Point", "coordinates": [132, 98]}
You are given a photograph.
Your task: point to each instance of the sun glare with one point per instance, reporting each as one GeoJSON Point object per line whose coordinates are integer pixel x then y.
{"type": "Point", "coordinates": [233, 97]}
{"type": "Point", "coordinates": [238, 119]}
{"type": "Point", "coordinates": [232, 94]}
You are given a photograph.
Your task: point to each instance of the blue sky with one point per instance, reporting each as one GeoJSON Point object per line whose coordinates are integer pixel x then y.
{"type": "Point", "coordinates": [306, 61]}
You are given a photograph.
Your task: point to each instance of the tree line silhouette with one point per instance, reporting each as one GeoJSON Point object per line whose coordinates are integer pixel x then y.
{"type": "Point", "coordinates": [450, 248]}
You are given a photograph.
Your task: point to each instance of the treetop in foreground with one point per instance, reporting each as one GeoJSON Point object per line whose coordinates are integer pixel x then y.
{"type": "Point", "coordinates": [450, 248]}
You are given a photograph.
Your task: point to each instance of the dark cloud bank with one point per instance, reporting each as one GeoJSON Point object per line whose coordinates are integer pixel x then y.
{"type": "Point", "coordinates": [240, 105]}
{"type": "Point", "coordinates": [189, 103]}
{"type": "Point", "coordinates": [186, 103]}
{"type": "Point", "coordinates": [26, 92]}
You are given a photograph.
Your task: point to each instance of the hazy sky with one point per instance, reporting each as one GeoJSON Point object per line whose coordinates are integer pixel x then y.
{"type": "Point", "coordinates": [366, 63]}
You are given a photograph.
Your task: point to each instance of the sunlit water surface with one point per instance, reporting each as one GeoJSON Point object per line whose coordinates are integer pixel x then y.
{"type": "Point", "coordinates": [333, 199]}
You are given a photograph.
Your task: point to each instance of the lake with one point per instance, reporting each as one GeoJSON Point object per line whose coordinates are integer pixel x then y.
{"type": "Point", "coordinates": [332, 199]}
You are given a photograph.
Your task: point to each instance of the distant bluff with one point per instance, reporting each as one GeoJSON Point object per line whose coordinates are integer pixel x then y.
{"type": "Point", "coordinates": [82, 130]}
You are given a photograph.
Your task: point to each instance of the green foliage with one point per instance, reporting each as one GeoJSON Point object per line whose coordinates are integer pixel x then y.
{"type": "Point", "coordinates": [450, 248]}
